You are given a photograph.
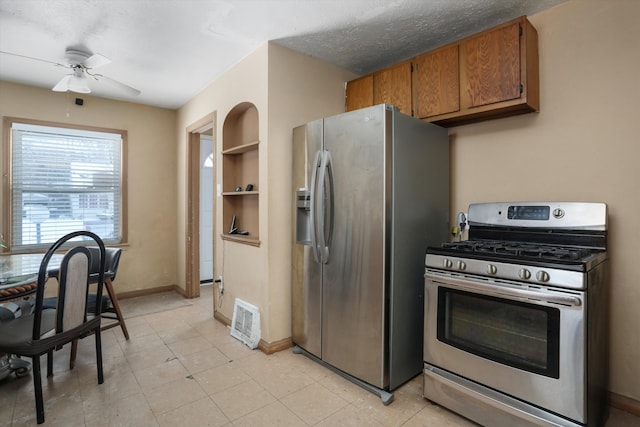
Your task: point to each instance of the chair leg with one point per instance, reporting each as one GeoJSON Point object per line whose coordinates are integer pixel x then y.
{"type": "Point", "coordinates": [50, 363]}
{"type": "Point", "coordinates": [116, 306]}
{"type": "Point", "coordinates": [99, 355]}
{"type": "Point", "coordinates": [37, 387]}
{"type": "Point", "coordinates": [74, 352]}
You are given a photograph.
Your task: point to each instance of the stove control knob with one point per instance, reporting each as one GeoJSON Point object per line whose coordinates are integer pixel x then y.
{"type": "Point", "coordinates": [447, 263]}
{"type": "Point", "coordinates": [524, 274]}
{"type": "Point", "coordinates": [461, 265]}
{"type": "Point", "coordinates": [542, 276]}
{"type": "Point", "coordinates": [492, 269]}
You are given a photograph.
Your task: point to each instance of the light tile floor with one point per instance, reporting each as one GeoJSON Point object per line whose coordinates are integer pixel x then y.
{"type": "Point", "coordinates": [182, 368]}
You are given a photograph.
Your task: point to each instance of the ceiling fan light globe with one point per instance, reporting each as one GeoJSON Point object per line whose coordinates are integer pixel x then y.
{"type": "Point", "coordinates": [78, 84]}
{"type": "Point", "coordinates": [80, 89]}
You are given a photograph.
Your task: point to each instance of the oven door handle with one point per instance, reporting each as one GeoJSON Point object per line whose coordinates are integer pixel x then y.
{"type": "Point", "coordinates": [493, 290]}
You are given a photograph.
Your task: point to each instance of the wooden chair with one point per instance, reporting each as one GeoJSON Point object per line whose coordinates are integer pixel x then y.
{"type": "Point", "coordinates": [47, 330]}
{"type": "Point", "coordinates": [110, 306]}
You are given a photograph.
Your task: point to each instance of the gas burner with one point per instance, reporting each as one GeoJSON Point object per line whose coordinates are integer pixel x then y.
{"type": "Point", "coordinates": [519, 250]}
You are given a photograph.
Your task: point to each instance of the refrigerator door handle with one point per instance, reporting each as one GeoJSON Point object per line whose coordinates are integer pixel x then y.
{"type": "Point", "coordinates": [327, 228]}
{"type": "Point", "coordinates": [325, 211]}
{"type": "Point", "coordinates": [321, 207]}
{"type": "Point", "coordinates": [313, 207]}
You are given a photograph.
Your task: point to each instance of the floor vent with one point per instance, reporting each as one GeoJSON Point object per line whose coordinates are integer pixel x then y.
{"type": "Point", "coordinates": [245, 325]}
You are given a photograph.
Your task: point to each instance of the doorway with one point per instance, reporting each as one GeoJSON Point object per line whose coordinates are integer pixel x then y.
{"type": "Point", "coordinates": [207, 204]}
{"type": "Point", "coordinates": [200, 250]}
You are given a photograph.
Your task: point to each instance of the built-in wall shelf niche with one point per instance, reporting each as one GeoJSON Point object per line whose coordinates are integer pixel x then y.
{"type": "Point", "coordinates": [240, 175]}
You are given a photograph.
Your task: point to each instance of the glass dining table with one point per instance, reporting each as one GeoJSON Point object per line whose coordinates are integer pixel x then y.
{"type": "Point", "coordinates": [18, 282]}
{"type": "Point", "coordinates": [19, 274]}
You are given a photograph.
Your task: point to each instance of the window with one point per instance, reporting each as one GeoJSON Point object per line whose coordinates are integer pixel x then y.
{"type": "Point", "coordinates": [63, 179]}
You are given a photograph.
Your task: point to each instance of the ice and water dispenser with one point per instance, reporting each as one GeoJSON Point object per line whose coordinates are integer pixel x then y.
{"type": "Point", "coordinates": [303, 217]}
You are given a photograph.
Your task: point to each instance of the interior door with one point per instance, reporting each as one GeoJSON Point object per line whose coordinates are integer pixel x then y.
{"type": "Point", "coordinates": [353, 322]}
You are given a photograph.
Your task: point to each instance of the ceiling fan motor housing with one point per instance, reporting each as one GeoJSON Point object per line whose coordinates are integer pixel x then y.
{"type": "Point", "coordinates": [76, 56]}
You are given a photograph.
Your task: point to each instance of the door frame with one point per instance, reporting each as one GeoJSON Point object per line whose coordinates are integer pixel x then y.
{"type": "Point", "coordinates": [192, 243]}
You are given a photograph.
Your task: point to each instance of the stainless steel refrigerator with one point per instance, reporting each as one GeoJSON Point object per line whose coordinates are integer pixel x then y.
{"type": "Point", "coordinates": [371, 192]}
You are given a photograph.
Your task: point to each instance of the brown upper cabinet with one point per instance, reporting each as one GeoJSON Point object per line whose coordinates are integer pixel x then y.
{"type": "Point", "coordinates": [393, 86]}
{"type": "Point", "coordinates": [488, 75]}
{"type": "Point", "coordinates": [491, 67]}
{"type": "Point", "coordinates": [359, 93]}
{"type": "Point", "coordinates": [437, 82]}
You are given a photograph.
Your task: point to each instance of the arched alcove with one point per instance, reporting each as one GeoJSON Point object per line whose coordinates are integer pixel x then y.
{"type": "Point", "coordinates": [240, 175]}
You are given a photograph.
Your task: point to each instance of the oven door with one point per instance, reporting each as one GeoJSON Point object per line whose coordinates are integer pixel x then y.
{"type": "Point", "coordinates": [525, 341]}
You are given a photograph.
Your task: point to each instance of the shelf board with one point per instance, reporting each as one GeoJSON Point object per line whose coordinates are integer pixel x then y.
{"type": "Point", "coordinates": [241, 148]}
{"type": "Point", "coordinates": [239, 238]}
{"type": "Point", "coordinates": [240, 193]}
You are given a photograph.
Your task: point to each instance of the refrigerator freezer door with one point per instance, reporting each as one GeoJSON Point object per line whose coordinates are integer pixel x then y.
{"type": "Point", "coordinates": [353, 321]}
{"type": "Point", "coordinates": [306, 292]}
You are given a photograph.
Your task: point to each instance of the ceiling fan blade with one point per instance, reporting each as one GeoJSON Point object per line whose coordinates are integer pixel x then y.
{"type": "Point", "coordinates": [63, 84]}
{"type": "Point", "coordinates": [96, 60]}
{"type": "Point", "coordinates": [34, 59]}
{"type": "Point", "coordinates": [123, 87]}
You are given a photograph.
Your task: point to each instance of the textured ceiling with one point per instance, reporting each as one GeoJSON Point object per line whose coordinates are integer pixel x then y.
{"type": "Point", "coordinates": [172, 49]}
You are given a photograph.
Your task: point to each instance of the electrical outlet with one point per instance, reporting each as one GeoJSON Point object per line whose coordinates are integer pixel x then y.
{"type": "Point", "coordinates": [220, 284]}
{"type": "Point", "coordinates": [462, 222]}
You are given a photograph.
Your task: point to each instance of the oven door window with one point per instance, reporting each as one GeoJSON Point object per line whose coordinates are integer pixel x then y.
{"type": "Point", "coordinates": [518, 334]}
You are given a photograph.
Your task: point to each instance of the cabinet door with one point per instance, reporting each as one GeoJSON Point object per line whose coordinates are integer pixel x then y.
{"type": "Point", "coordinates": [359, 93]}
{"type": "Point", "coordinates": [393, 86]}
{"type": "Point", "coordinates": [436, 83]}
{"type": "Point", "coordinates": [491, 66]}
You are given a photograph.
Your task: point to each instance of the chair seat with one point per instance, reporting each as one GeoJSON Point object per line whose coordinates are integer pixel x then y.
{"type": "Point", "coordinates": [13, 339]}
{"type": "Point", "coordinates": [91, 302]}
{"type": "Point", "coordinates": [93, 277]}
{"type": "Point", "coordinates": [17, 334]}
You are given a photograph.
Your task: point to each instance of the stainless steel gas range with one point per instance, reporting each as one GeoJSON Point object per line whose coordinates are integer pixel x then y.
{"type": "Point", "coordinates": [515, 329]}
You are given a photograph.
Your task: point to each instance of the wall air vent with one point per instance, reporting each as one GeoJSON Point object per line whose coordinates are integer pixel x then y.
{"type": "Point", "coordinates": [245, 325]}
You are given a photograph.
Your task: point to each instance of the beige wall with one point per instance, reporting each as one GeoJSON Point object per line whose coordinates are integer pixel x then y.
{"type": "Point", "coordinates": [244, 266]}
{"type": "Point", "coordinates": [584, 145]}
{"type": "Point", "coordinates": [288, 89]}
{"type": "Point", "coordinates": [148, 261]}
{"type": "Point", "coordinates": [301, 89]}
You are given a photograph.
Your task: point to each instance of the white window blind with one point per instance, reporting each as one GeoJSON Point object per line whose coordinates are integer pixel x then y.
{"type": "Point", "coordinates": [64, 180]}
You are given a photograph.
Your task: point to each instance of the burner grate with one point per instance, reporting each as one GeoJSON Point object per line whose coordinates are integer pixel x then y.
{"type": "Point", "coordinates": [519, 250]}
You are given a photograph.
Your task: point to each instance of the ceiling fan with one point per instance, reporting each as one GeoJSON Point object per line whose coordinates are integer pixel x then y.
{"type": "Point", "coordinates": [81, 65]}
